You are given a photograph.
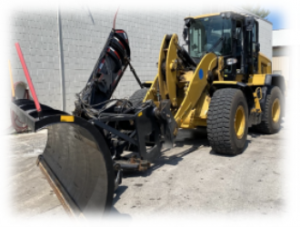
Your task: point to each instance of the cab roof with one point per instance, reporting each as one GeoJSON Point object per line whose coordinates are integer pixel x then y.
{"type": "Point", "coordinates": [217, 14]}
{"type": "Point", "coordinates": [234, 13]}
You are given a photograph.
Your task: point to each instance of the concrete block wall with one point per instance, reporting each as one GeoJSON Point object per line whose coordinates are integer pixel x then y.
{"type": "Point", "coordinates": [84, 32]}
{"type": "Point", "coordinates": [37, 35]}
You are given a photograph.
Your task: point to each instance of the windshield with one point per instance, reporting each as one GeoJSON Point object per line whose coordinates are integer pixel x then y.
{"type": "Point", "coordinates": [205, 36]}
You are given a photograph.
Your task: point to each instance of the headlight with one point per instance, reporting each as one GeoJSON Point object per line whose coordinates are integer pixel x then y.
{"type": "Point", "coordinates": [231, 61]}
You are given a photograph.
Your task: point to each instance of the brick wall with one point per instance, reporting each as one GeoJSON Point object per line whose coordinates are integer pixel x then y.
{"type": "Point", "coordinates": [84, 31]}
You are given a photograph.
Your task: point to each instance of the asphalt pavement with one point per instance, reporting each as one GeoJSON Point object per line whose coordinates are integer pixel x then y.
{"type": "Point", "coordinates": [189, 178]}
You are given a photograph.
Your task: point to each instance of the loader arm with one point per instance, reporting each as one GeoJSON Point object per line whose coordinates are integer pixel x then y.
{"type": "Point", "coordinates": [196, 87]}
{"type": "Point", "coordinates": [177, 81]}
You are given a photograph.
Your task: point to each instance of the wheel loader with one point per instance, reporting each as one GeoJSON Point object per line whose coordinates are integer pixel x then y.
{"type": "Point", "coordinates": [222, 82]}
{"type": "Point", "coordinates": [218, 79]}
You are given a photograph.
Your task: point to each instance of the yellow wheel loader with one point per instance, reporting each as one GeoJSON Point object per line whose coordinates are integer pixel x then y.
{"type": "Point", "coordinates": [221, 82]}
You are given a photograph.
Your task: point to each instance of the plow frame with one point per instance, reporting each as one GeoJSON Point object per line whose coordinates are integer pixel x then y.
{"type": "Point", "coordinates": [143, 118]}
{"type": "Point", "coordinates": [145, 122]}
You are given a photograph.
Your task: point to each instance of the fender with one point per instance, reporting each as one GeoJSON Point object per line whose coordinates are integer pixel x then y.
{"type": "Point", "coordinates": [235, 84]}
{"type": "Point", "coordinates": [275, 80]}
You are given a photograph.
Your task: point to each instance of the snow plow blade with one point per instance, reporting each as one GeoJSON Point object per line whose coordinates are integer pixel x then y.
{"type": "Point", "coordinates": [76, 159]}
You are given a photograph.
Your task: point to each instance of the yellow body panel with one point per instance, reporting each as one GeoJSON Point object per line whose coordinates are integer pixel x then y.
{"type": "Point", "coordinates": [264, 64]}
{"type": "Point", "coordinates": [264, 68]}
{"type": "Point", "coordinates": [256, 80]}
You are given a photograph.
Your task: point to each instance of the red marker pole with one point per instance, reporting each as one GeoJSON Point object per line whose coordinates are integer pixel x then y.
{"type": "Point", "coordinates": [114, 24]}
{"type": "Point", "coordinates": [26, 72]}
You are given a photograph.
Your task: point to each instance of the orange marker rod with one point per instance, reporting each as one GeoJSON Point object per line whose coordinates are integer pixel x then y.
{"type": "Point", "coordinates": [26, 72]}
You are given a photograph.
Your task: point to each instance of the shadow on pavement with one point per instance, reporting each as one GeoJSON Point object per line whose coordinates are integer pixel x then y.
{"type": "Point", "coordinates": [114, 213]}
{"type": "Point", "coordinates": [120, 190]}
{"type": "Point", "coordinates": [194, 138]}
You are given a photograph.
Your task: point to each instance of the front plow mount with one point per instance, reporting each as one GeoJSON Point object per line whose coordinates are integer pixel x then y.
{"type": "Point", "coordinates": [86, 152]}
{"type": "Point", "coordinates": [84, 157]}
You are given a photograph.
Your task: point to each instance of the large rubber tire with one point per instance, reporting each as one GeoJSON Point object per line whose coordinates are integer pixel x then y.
{"type": "Point", "coordinates": [268, 125]}
{"type": "Point", "coordinates": [137, 97]}
{"type": "Point", "coordinates": [225, 105]}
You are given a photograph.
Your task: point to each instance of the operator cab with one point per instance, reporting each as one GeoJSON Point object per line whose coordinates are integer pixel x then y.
{"type": "Point", "coordinates": [230, 35]}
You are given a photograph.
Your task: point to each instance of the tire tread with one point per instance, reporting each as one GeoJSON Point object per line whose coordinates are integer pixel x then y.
{"type": "Point", "coordinates": [218, 121]}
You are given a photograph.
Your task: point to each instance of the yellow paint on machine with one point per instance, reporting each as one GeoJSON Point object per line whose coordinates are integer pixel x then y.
{"type": "Point", "coordinates": [205, 15]}
{"type": "Point", "coordinates": [225, 82]}
{"type": "Point", "coordinates": [195, 88]}
{"type": "Point", "coordinates": [152, 92]}
{"type": "Point", "coordinates": [162, 57]}
{"type": "Point", "coordinates": [257, 80]}
{"type": "Point", "coordinates": [171, 72]}
{"type": "Point", "coordinates": [189, 95]}
{"type": "Point", "coordinates": [66, 118]}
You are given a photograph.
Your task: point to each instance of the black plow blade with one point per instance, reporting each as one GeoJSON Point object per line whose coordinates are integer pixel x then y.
{"type": "Point", "coordinates": [82, 166]}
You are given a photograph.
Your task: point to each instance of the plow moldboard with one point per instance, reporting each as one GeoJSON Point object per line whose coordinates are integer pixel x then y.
{"type": "Point", "coordinates": [79, 169]}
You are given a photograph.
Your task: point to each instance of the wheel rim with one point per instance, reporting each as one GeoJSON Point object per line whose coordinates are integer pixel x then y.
{"type": "Point", "coordinates": [239, 122]}
{"type": "Point", "coordinates": [276, 110]}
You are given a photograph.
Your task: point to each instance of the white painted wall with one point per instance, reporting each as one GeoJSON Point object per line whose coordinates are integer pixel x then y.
{"type": "Point", "coordinates": [84, 32]}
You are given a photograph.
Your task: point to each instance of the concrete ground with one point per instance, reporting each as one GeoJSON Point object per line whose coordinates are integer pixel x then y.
{"type": "Point", "coordinates": [190, 178]}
